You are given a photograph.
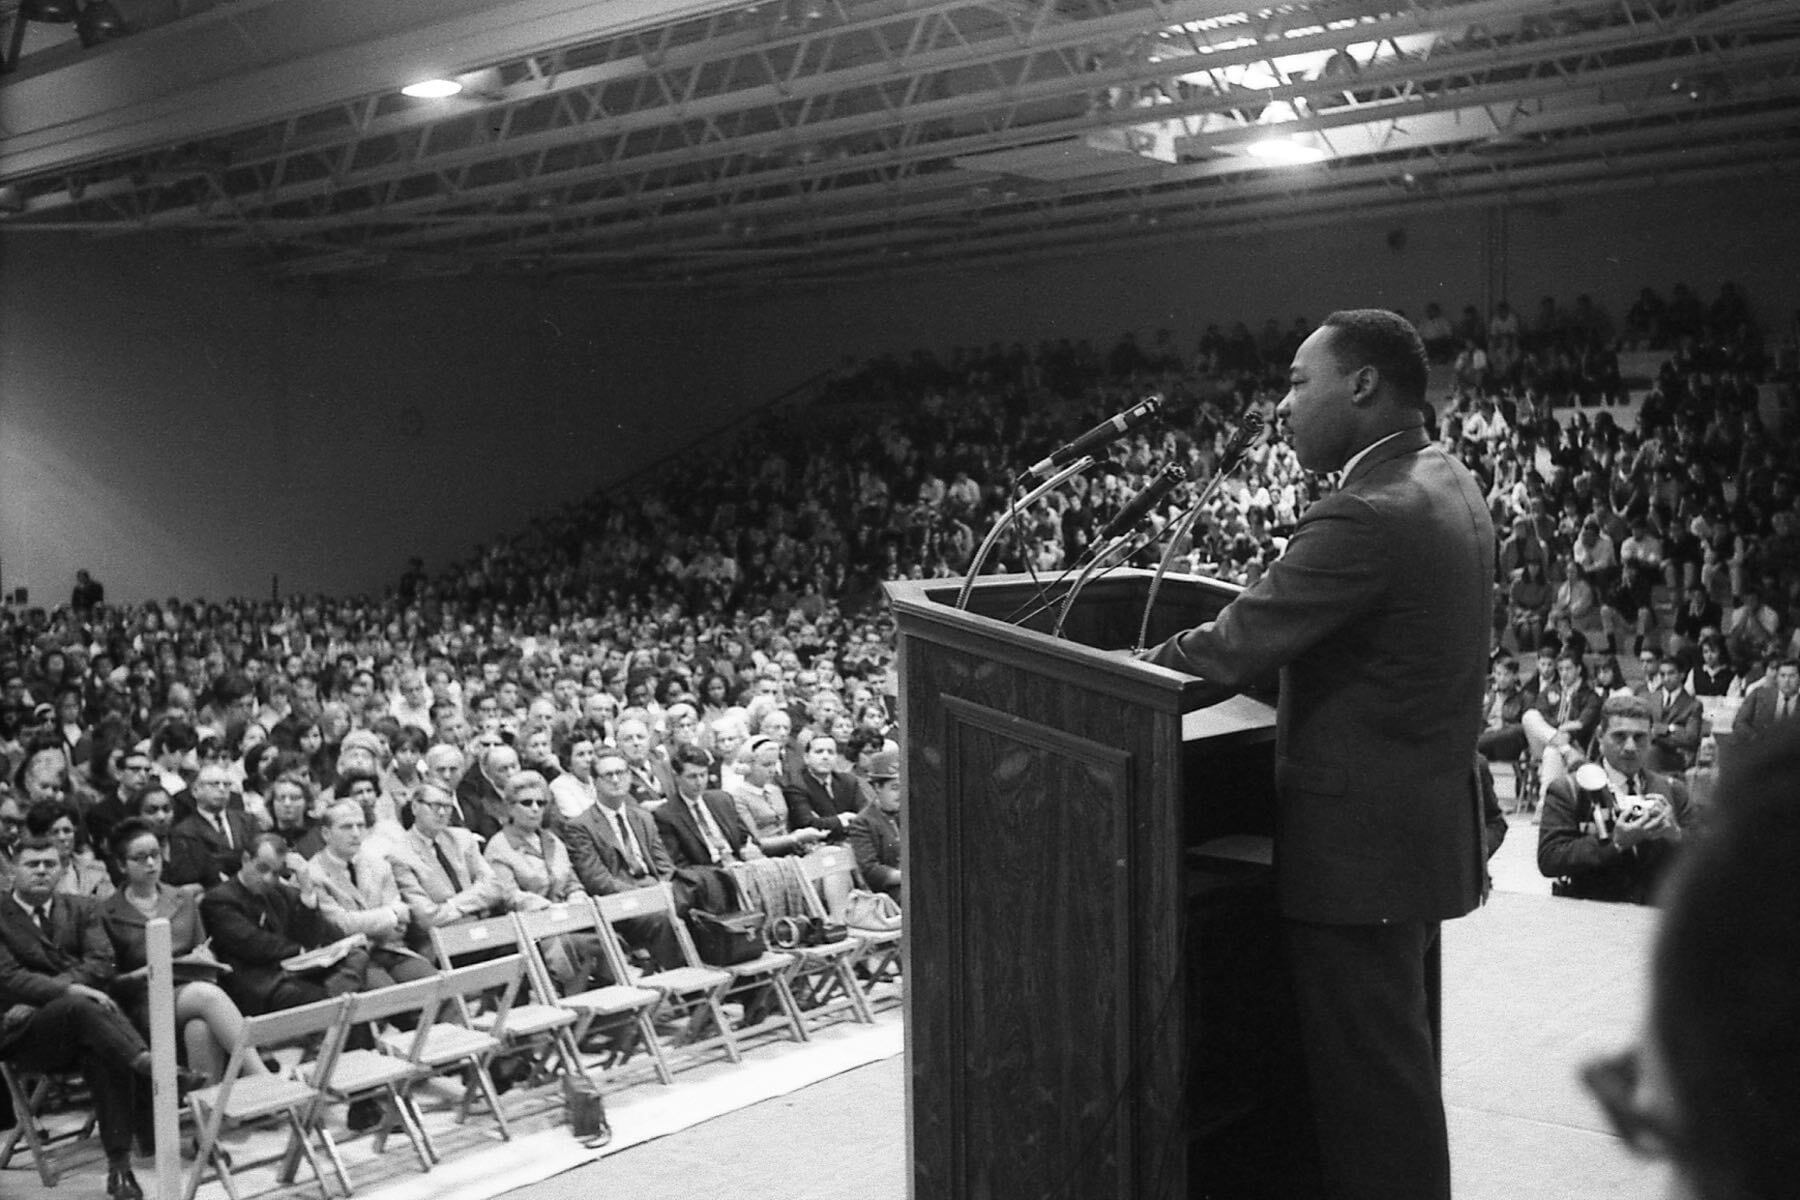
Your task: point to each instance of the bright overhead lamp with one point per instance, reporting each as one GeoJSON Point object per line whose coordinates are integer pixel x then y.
{"type": "Point", "coordinates": [1285, 151]}
{"type": "Point", "coordinates": [432, 89]}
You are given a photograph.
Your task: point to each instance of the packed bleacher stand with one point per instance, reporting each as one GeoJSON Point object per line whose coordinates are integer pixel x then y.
{"type": "Point", "coordinates": [497, 722]}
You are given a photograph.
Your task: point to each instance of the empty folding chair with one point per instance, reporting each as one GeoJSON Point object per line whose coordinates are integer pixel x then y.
{"type": "Point", "coordinates": [621, 1005]}
{"type": "Point", "coordinates": [368, 1074]}
{"type": "Point", "coordinates": [693, 991]}
{"type": "Point", "coordinates": [444, 1046]}
{"type": "Point", "coordinates": [542, 1024]}
{"type": "Point", "coordinates": [240, 1098]}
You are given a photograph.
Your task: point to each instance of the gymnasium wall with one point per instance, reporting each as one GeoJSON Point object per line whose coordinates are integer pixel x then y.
{"type": "Point", "coordinates": [179, 425]}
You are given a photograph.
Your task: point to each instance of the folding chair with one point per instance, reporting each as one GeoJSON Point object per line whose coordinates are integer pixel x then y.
{"type": "Point", "coordinates": [825, 970]}
{"type": "Point", "coordinates": [879, 962]}
{"type": "Point", "coordinates": [240, 1098]}
{"type": "Point", "coordinates": [442, 1047]}
{"type": "Point", "coordinates": [694, 990]}
{"type": "Point", "coordinates": [31, 1095]}
{"type": "Point", "coordinates": [543, 1026]}
{"type": "Point", "coordinates": [370, 1074]}
{"type": "Point", "coordinates": [619, 1004]}
{"type": "Point", "coordinates": [771, 969]}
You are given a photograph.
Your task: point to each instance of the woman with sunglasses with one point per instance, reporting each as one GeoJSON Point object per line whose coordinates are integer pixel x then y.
{"type": "Point", "coordinates": [210, 1023]}
{"type": "Point", "coordinates": [533, 865]}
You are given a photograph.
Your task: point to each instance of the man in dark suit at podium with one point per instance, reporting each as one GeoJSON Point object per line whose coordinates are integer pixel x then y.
{"type": "Point", "coordinates": [1377, 617]}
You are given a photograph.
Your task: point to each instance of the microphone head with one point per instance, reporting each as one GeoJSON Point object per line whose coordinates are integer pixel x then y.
{"type": "Point", "coordinates": [1248, 430]}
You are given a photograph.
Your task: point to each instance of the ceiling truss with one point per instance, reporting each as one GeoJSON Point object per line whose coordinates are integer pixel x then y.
{"type": "Point", "coordinates": [808, 140]}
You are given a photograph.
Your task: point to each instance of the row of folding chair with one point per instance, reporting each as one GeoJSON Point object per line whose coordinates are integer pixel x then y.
{"type": "Point", "coordinates": [497, 994]}
{"type": "Point", "coordinates": [439, 1043]}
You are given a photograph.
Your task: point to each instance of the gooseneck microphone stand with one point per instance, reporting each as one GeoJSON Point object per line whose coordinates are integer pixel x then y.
{"type": "Point", "coordinates": [1011, 514]}
{"type": "Point", "coordinates": [1247, 431]}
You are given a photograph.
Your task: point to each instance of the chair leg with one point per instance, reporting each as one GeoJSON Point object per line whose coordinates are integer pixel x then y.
{"type": "Point", "coordinates": [337, 1160]}
{"type": "Point", "coordinates": [312, 1160]}
{"type": "Point", "coordinates": [646, 1029]}
{"type": "Point", "coordinates": [25, 1113]}
{"type": "Point", "coordinates": [485, 1082]}
{"type": "Point", "coordinates": [414, 1126]}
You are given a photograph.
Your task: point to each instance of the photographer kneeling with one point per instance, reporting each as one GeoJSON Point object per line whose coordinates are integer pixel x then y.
{"type": "Point", "coordinates": [1610, 831]}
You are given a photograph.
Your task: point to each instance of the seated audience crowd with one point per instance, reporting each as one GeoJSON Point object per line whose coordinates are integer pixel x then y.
{"type": "Point", "coordinates": [674, 678]}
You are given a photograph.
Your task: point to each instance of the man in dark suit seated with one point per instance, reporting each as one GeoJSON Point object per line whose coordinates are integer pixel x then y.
{"type": "Point", "coordinates": [206, 846]}
{"type": "Point", "coordinates": [614, 847]}
{"type": "Point", "coordinates": [875, 837]}
{"type": "Point", "coordinates": [1675, 717]}
{"type": "Point", "coordinates": [55, 1014]}
{"type": "Point", "coordinates": [822, 798]}
{"type": "Point", "coordinates": [1611, 831]}
{"type": "Point", "coordinates": [269, 911]}
{"type": "Point", "coordinates": [479, 794]}
{"type": "Point", "coordinates": [703, 834]}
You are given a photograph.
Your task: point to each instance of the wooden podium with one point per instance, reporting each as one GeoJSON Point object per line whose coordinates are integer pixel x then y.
{"type": "Point", "coordinates": [1055, 788]}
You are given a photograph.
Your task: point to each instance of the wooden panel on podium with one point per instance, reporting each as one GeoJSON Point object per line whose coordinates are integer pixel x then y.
{"type": "Point", "coordinates": [1052, 788]}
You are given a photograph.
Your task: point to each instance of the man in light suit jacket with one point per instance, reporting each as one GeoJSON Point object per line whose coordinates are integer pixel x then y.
{"type": "Point", "coordinates": [206, 846]}
{"type": "Point", "coordinates": [1377, 616]}
{"type": "Point", "coordinates": [1768, 704]}
{"type": "Point", "coordinates": [358, 894]}
{"type": "Point", "coordinates": [614, 847]}
{"type": "Point", "coordinates": [55, 1013]}
{"type": "Point", "coordinates": [439, 869]}
{"type": "Point", "coordinates": [1675, 717]}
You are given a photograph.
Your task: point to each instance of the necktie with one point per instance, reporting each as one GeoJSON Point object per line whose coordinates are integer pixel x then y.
{"type": "Point", "coordinates": [449, 867]}
{"type": "Point", "coordinates": [709, 832]}
{"type": "Point", "coordinates": [629, 844]}
{"type": "Point", "coordinates": [224, 828]}
{"type": "Point", "coordinates": [1787, 707]}
{"type": "Point", "coordinates": [355, 883]}
{"type": "Point", "coordinates": [41, 915]}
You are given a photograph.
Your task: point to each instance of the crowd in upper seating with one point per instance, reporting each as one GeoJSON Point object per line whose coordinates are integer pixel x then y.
{"type": "Point", "coordinates": [734, 593]}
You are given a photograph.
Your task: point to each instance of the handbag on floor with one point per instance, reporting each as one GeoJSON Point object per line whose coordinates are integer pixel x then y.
{"type": "Point", "coordinates": [725, 939]}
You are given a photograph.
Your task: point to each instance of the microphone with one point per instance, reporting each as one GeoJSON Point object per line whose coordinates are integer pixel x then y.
{"type": "Point", "coordinates": [1248, 430]}
{"type": "Point", "coordinates": [1103, 434]}
{"type": "Point", "coordinates": [1126, 519]}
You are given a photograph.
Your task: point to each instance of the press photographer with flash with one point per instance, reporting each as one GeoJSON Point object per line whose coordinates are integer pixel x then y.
{"type": "Point", "coordinates": [1611, 831]}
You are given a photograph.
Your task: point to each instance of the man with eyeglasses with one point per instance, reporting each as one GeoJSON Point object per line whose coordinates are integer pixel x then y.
{"type": "Point", "coordinates": [614, 847]}
{"type": "Point", "coordinates": [206, 846]}
{"type": "Point", "coordinates": [131, 773]}
{"type": "Point", "coordinates": [481, 790]}
{"type": "Point", "coordinates": [439, 870]}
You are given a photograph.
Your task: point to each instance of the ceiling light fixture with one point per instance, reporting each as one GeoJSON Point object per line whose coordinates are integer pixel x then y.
{"type": "Point", "coordinates": [432, 89]}
{"type": "Point", "coordinates": [1285, 151]}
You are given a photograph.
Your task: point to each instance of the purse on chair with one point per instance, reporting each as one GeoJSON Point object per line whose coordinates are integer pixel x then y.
{"type": "Point", "coordinates": [725, 939]}
{"type": "Point", "coordinates": [873, 911]}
